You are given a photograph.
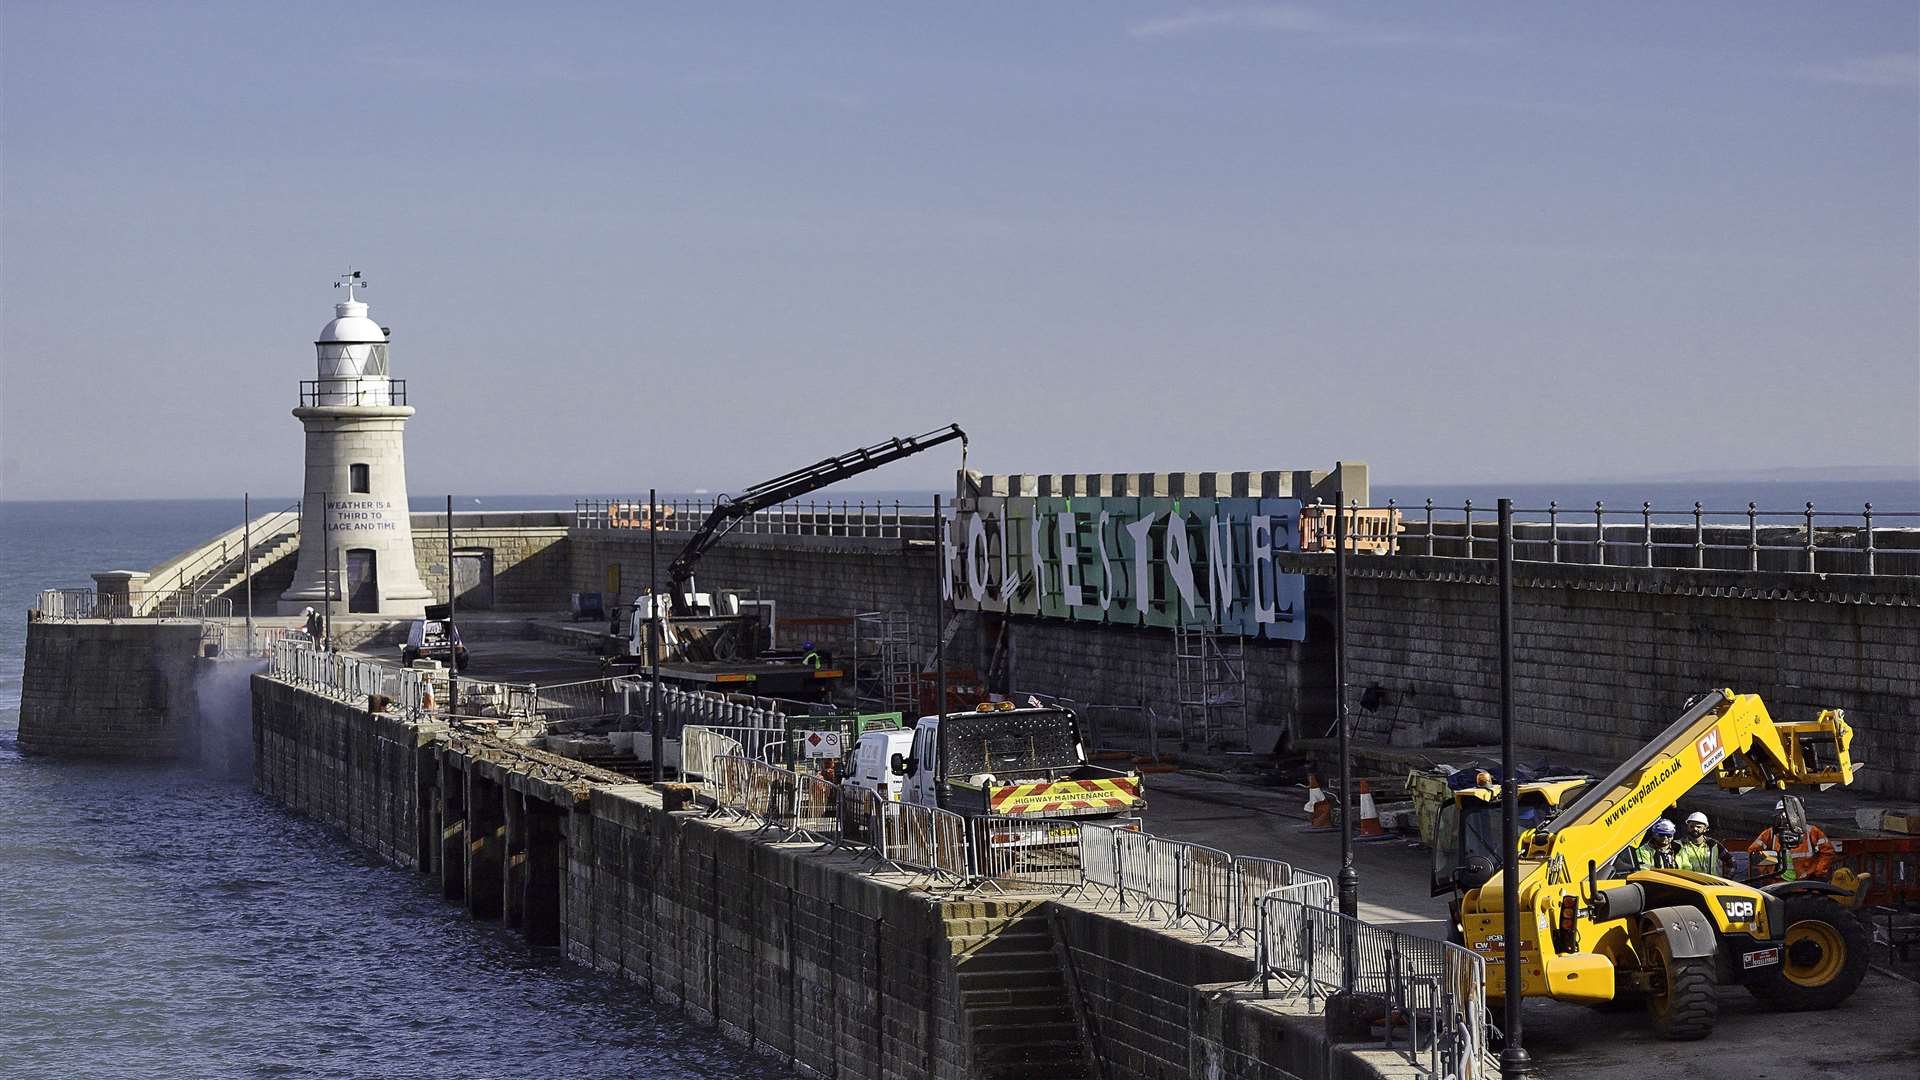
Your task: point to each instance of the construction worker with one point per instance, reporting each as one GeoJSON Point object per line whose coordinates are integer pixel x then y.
{"type": "Point", "coordinates": [314, 624]}
{"type": "Point", "coordinates": [1789, 852]}
{"type": "Point", "coordinates": [1697, 850]}
{"type": "Point", "coordinates": [1658, 851]}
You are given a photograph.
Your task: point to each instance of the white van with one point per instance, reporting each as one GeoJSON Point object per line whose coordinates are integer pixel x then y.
{"type": "Point", "coordinates": [871, 768]}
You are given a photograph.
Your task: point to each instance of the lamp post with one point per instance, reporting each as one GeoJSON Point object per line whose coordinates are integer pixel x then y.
{"type": "Point", "coordinates": [658, 743]}
{"type": "Point", "coordinates": [453, 632]}
{"type": "Point", "coordinates": [1514, 1059]}
{"type": "Point", "coordinates": [1349, 879]}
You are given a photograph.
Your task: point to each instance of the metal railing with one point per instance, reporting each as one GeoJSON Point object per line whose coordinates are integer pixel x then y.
{"type": "Point", "coordinates": [198, 577]}
{"type": "Point", "coordinates": [349, 678]}
{"type": "Point", "coordinates": [72, 605]}
{"type": "Point", "coordinates": [584, 700]}
{"type": "Point", "coordinates": [1034, 852]}
{"type": "Point", "coordinates": [357, 391]}
{"type": "Point", "coordinates": [849, 518]}
{"type": "Point", "coordinates": [1867, 541]}
{"type": "Point", "coordinates": [701, 747]}
{"type": "Point", "coordinates": [1432, 994]}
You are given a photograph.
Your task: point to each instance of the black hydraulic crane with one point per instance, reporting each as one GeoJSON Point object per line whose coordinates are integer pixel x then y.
{"type": "Point", "coordinates": [730, 510]}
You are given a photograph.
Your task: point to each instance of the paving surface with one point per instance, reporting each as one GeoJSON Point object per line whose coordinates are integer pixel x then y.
{"type": "Point", "coordinates": [1872, 1036]}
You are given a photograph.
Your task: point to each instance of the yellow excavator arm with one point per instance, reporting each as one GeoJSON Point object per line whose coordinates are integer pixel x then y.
{"type": "Point", "coordinates": [1724, 735]}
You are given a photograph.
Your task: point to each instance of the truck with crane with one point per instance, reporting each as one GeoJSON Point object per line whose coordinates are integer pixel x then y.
{"type": "Point", "coordinates": [1595, 932]}
{"type": "Point", "coordinates": [721, 641]}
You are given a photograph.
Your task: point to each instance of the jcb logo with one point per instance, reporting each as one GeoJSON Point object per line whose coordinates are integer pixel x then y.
{"type": "Point", "coordinates": [1711, 752]}
{"type": "Point", "coordinates": [1738, 910]}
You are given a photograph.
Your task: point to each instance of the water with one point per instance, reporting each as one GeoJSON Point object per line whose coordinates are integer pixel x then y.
{"type": "Point", "coordinates": [161, 921]}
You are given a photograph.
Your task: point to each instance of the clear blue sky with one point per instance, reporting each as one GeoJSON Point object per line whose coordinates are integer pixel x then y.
{"type": "Point", "coordinates": [692, 245]}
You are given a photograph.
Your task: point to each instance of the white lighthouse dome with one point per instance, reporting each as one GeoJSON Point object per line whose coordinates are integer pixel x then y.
{"type": "Point", "coordinates": [350, 324]}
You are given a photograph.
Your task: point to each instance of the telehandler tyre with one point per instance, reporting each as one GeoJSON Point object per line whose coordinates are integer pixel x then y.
{"type": "Point", "coordinates": [1684, 999]}
{"type": "Point", "coordinates": [1823, 959]}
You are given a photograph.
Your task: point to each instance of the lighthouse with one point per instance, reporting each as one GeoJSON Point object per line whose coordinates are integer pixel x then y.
{"type": "Point", "coordinates": [356, 539]}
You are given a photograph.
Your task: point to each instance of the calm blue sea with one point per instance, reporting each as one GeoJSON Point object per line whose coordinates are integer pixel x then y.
{"type": "Point", "coordinates": [162, 921]}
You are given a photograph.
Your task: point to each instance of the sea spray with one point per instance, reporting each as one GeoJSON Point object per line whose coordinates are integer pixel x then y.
{"type": "Point", "coordinates": [223, 714]}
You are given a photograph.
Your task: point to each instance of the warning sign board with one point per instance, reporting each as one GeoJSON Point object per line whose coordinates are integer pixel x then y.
{"type": "Point", "coordinates": [820, 744]}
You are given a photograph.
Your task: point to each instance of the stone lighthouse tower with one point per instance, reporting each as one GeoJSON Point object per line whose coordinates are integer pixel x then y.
{"type": "Point", "coordinates": [354, 506]}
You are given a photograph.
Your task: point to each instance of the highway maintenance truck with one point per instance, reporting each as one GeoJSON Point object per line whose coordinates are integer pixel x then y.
{"type": "Point", "coordinates": [1014, 762]}
{"type": "Point", "coordinates": [1593, 932]}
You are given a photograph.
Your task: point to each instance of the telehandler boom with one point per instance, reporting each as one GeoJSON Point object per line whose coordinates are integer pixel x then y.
{"type": "Point", "coordinates": [1590, 934]}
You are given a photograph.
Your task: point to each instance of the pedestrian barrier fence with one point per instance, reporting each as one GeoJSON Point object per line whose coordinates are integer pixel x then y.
{"type": "Point", "coordinates": [859, 811]}
{"type": "Point", "coordinates": [924, 838]}
{"type": "Point", "coordinates": [816, 806]}
{"type": "Point", "coordinates": [1031, 851]}
{"type": "Point", "coordinates": [1310, 889]}
{"type": "Point", "coordinates": [584, 700]}
{"type": "Point", "coordinates": [1433, 994]}
{"type": "Point", "coordinates": [701, 747]}
{"type": "Point", "coordinates": [1206, 887]}
{"type": "Point", "coordinates": [346, 677]}
{"type": "Point", "coordinates": [1100, 857]}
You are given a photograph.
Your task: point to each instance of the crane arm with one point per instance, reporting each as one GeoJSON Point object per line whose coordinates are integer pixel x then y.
{"type": "Point", "coordinates": [730, 511]}
{"type": "Point", "coordinates": [1724, 735]}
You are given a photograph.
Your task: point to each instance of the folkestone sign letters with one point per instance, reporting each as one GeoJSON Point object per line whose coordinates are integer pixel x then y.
{"type": "Point", "coordinates": [1129, 561]}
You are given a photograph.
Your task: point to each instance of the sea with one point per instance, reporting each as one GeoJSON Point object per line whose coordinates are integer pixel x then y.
{"type": "Point", "coordinates": [165, 920]}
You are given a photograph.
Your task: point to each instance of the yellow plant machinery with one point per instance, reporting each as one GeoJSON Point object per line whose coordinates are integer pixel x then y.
{"type": "Point", "coordinates": [1591, 932]}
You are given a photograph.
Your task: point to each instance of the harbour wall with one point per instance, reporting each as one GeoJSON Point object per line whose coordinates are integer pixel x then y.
{"type": "Point", "coordinates": [1606, 656]}
{"type": "Point", "coordinates": [809, 955]}
{"type": "Point", "coordinates": [110, 690]}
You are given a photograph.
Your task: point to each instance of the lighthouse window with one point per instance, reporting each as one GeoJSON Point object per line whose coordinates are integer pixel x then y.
{"type": "Point", "coordinates": [357, 478]}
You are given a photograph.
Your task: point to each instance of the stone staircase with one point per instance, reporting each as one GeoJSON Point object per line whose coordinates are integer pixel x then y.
{"type": "Point", "coordinates": [266, 554]}
{"type": "Point", "coordinates": [1018, 1002]}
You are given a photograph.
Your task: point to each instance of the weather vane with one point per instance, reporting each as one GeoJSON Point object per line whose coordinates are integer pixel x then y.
{"type": "Point", "coordinates": [349, 281]}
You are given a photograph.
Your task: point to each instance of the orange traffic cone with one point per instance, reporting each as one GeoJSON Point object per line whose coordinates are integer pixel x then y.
{"type": "Point", "coordinates": [1318, 806]}
{"type": "Point", "coordinates": [1369, 814]}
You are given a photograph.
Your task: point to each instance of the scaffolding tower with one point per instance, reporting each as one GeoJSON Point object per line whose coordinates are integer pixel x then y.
{"type": "Point", "coordinates": [1210, 687]}
{"type": "Point", "coordinates": [885, 663]}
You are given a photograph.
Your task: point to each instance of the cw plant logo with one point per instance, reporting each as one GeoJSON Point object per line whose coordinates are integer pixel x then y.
{"type": "Point", "coordinates": [1712, 752]}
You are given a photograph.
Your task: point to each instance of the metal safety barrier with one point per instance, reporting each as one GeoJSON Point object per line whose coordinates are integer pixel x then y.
{"type": "Point", "coordinates": [1100, 857]}
{"type": "Point", "coordinates": [1432, 993]}
{"type": "Point", "coordinates": [586, 699]}
{"type": "Point", "coordinates": [923, 838]}
{"type": "Point", "coordinates": [1041, 852]}
{"type": "Point", "coordinates": [701, 747]}
{"type": "Point", "coordinates": [346, 677]}
{"type": "Point", "coordinates": [1206, 888]}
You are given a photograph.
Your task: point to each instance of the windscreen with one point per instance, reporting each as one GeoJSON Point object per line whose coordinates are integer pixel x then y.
{"type": "Point", "coordinates": [1009, 744]}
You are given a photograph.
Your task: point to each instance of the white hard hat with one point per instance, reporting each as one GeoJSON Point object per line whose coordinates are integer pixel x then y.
{"type": "Point", "coordinates": [1696, 816]}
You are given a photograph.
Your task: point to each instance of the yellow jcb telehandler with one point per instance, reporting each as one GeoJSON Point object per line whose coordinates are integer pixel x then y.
{"type": "Point", "coordinates": [1590, 932]}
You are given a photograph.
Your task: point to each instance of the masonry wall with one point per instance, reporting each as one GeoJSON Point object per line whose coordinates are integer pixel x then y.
{"type": "Point", "coordinates": [786, 950]}
{"type": "Point", "coordinates": [336, 763]}
{"type": "Point", "coordinates": [1606, 658]}
{"type": "Point", "coordinates": [101, 689]}
{"type": "Point", "coordinates": [806, 577]}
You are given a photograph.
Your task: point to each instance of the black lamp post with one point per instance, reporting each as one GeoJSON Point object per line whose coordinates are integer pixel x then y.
{"type": "Point", "coordinates": [1514, 1059]}
{"type": "Point", "coordinates": [1349, 879]}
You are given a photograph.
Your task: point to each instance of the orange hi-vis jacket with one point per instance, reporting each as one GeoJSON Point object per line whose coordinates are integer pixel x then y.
{"type": "Point", "coordinates": [1812, 857]}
